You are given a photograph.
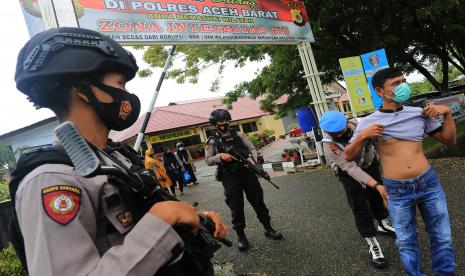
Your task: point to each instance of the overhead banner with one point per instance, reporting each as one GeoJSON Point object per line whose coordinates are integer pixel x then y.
{"type": "Point", "coordinates": [357, 86]}
{"type": "Point", "coordinates": [148, 22]}
{"type": "Point", "coordinates": [455, 103]}
{"type": "Point", "coordinates": [372, 63]}
{"type": "Point", "coordinates": [32, 16]}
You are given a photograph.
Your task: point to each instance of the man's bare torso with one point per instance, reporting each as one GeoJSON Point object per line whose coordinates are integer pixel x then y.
{"type": "Point", "coordinates": [402, 159]}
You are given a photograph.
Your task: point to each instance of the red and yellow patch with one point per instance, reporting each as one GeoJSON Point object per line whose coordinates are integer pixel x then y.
{"type": "Point", "coordinates": [61, 203]}
{"type": "Point", "coordinates": [125, 109]}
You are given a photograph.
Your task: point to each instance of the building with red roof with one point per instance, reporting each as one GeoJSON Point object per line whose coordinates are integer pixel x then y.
{"type": "Point", "coordinates": [187, 122]}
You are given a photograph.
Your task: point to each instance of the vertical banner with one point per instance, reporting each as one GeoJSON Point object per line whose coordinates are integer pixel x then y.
{"type": "Point", "coordinates": [357, 86]}
{"type": "Point", "coordinates": [372, 63]}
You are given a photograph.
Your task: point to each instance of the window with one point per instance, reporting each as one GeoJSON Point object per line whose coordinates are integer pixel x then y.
{"type": "Point", "coordinates": [188, 142]}
{"type": "Point", "coordinates": [209, 132]}
{"type": "Point", "coordinates": [249, 127]}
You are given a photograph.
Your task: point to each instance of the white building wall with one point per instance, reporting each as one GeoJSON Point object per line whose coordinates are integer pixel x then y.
{"type": "Point", "coordinates": [37, 137]}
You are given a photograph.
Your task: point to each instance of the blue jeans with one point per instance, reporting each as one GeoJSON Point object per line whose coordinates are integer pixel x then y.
{"type": "Point", "coordinates": [425, 192]}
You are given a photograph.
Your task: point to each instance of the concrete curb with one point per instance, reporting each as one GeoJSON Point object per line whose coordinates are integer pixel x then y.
{"type": "Point", "coordinates": [290, 166]}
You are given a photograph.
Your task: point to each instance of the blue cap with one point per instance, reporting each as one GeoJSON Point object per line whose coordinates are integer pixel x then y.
{"type": "Point", "coordinates": [333, 121]}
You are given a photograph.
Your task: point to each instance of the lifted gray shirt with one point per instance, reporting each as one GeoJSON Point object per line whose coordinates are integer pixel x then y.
{"type": "Point", "coordinates": [406, 123]}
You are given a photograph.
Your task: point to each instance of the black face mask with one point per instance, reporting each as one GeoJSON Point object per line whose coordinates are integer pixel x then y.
{"type": "Point", "coordinates": [223, 127]}
{"type": "Point", "coordinates": [345, 137]}
{"type": "Point", "coordinates": [122, 112]}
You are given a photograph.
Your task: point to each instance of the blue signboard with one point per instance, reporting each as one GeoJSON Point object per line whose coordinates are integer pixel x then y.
{"type": "Point", "coordinates": [373, 62]}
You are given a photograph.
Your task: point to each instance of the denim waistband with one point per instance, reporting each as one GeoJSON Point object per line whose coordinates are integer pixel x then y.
{"type": "Point", "coordinates": [429, 172]}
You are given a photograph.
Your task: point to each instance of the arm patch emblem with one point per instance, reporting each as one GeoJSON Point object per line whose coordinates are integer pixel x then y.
{"type": "Point", "coordinates": [61, 203]}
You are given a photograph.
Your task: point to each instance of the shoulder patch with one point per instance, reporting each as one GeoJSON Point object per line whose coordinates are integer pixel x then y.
{"type": "Point", "coordinates": [61, 202]}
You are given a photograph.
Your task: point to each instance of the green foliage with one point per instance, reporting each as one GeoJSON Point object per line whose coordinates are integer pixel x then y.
{"type": "Point", "coordinates": [7, 157]}
{"type": "Point", "coordinates": [415, 34]}
{"type": "Point", "coordinates": [425, 86]}
{"type": "Point", "coordinates": [4, 192]}
{"type": "Point", "coordinates": [255, 138]}
{"type": "Point", "coordinates": [269, 132]}
{"type": "Point", "coordinates": [9, 263]}
{"type": "Point", "coordinates": [429, 143]}
{"type": "Point", "coordinates": [421, 87]}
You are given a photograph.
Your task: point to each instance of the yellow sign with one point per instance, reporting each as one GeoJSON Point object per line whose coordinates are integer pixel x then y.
{"type": "Point", "coordinates": [173, 135]}
{"type": "Point", "coordinates": [356, 82]}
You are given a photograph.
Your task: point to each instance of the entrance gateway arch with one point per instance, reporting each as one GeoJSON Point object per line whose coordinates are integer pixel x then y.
{"type": "Point", "coordinates": [178, 22]}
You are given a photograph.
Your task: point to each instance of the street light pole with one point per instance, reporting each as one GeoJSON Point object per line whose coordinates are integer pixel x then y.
{"type": "Point", "coordinates": [316, 91]}
{"type": "Point", "coordinates": [137, 144]}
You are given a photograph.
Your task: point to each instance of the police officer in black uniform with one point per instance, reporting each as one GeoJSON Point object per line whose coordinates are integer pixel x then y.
{"type": "Point", "coordinates": [69, 225]}
{"type": "Point", "coordinates": [236, 179]}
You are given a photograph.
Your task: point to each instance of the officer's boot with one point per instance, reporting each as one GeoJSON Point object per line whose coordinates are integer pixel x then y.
{"type": "Point", "coordinates": [376, 255]}
{"type": "Point", "coordinates": [271, 233]}
{"type": "Point", "coordinates": [243, 243]}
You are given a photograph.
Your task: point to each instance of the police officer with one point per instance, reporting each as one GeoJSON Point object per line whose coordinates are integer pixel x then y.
{"type": "Point", "coordinates": [361, 181]}
{"type": "Point", "coordinates": [83, 226]}
{"type": "Point", "coordinates": [185, 158]}
{"type": "Point", "coordinates": [236, 179]}
{"type": "Point", "coordinates": [174, 169]}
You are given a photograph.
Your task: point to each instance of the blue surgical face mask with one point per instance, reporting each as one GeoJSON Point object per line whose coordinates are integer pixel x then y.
{"type": "Point", "coordinates": [402, 93]}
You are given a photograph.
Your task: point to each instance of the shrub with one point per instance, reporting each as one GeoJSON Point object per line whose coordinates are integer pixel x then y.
{"type": "Point", "coordinates": [269, 132]}
{"type": "Point", "coordinates": [9, 262]}
{"type": "Point", "coordinates": [4, 192]}
{"type": "Point", "coordinates": [255, 138]}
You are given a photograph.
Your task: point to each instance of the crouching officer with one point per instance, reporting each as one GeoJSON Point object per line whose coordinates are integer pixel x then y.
{"type": "Point", "coordinates": [70, 225]}
{"type": "Point", "coordinates": [361, 181]}
{"type": "Point", "coordinates": [236, 179]}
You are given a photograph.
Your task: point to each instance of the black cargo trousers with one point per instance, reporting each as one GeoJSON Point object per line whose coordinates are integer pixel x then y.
{"type": "Point", "coordinates": [235, 185]}
{"type": "Point", "coordinates": [365, 203]}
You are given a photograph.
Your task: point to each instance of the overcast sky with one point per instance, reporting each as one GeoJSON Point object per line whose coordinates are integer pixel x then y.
{"type": "Point", "coordinates": [17, 112]}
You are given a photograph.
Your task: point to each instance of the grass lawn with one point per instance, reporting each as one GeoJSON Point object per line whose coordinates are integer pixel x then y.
{"type": "Point", "coordinates": [429, 143]}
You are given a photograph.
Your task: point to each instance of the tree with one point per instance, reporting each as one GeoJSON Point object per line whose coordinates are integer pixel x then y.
{"type": "Point", "coordinates": [414, 33]}
{"type": "Point", "coordinates": [425, 86]}
{"type": "Point", "coordinates": [7, 158]}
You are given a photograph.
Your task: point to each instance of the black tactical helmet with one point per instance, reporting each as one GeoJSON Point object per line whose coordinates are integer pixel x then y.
{"type": "Point", "coordinates": [219, 115]}
{"type": "Point", "coordinates": [64, 54]}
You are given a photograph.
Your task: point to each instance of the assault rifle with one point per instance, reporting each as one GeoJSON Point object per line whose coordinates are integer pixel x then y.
{"type": "Point", "coordinates": [90, 161]}
{"type": "Point", "coordinates": [240, 158]}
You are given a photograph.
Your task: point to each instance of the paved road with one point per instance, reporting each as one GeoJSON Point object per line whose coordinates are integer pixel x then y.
{"type": "Point", "coordinates": [320, 234]}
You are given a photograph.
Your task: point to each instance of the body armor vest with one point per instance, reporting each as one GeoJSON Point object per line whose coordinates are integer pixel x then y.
{"type": "Point", "coordinates": [236, 142]}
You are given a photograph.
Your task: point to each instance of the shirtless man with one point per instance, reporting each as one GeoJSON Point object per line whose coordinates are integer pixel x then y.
{"type": "Point", "coordinates": [398, 132]}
